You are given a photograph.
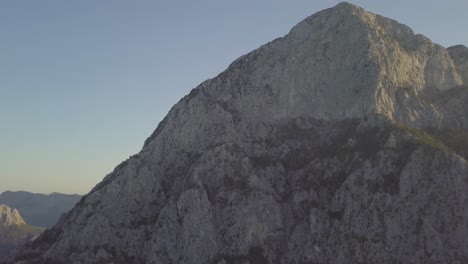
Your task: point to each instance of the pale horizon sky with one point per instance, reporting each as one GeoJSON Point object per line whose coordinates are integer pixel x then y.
{"type": "Point", "coordinates": [84, 83]}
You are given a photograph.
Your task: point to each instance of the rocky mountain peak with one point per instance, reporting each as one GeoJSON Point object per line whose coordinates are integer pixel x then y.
{"type": "Point", "coordinates": [343, 62]}
{"type": "Point", "coordinates": [459, 54]}
{"type": "Point", "coordinates": [381, 60]}
{"type": "Point", "coordinates": [460, 50]}
{"type": "Point", "coordinates": [10, 216]}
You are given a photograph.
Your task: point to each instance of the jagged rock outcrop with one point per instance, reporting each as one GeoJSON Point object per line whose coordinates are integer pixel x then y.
{"type": "Point", "coordinates": [10, 216]}
{"type": "Point", "coordinates": [342, 142]}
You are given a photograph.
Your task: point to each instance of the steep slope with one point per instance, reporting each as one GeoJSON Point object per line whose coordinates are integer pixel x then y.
{"type": "Point", "coordinates": [14, 231]}
{"type": "Point", "coordinates": [40, 209]}
{"type": "Point", "coordinates": [459, 55]}
{"type": "Point", "coordinates": [324, 146]}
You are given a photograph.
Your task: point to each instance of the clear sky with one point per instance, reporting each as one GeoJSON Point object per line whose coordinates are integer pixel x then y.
{"type": "Point", "coordinates": [83, 83]}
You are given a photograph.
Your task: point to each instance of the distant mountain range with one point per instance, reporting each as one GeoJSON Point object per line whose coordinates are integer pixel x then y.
{"type": "Point", "coordinates": [39, 209]}
{"type": "Point", "coordinates": [25, 215]}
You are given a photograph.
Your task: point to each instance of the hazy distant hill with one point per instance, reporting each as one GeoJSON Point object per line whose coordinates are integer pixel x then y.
{"type": "Point", "coordinates": [40, 209]}
{"type": "Point", "coordinates": [13, 230]}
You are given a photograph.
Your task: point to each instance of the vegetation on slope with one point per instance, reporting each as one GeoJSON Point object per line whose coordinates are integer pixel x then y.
{"type": "Point", "coordinates": [12, 236]}
{"type": "Point", "coordinates": [423, 138]}
{"type": "Point", "coordinates": [18, 233]}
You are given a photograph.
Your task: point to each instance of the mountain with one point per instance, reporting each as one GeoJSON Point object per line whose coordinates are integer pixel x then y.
{"type": "Point", "coordinates": [10, 216]}
{"type": "Point", "coordinates": [40, 209]}
{"type": "Point", "coordinates": [342, 142]}
{"type": "Point", "coordinates": [14, 231]}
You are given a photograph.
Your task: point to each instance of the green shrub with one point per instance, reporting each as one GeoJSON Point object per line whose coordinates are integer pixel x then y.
{"type": "Point", "coordinates": [422, 137]}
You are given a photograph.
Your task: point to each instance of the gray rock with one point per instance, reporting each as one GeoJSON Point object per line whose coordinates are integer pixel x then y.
{"type": "Point", "coordinates": [328, 145]}
{"type": "Point", "coordinates": [459, 55]}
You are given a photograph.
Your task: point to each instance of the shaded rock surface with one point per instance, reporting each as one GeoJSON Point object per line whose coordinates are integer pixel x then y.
{"type": "Point", "coordinates": [459, 55]}
{"type": "Point", "coordinates": [342, 142]}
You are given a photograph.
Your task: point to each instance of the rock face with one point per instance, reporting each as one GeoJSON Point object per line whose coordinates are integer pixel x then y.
{"type": "Point", "coordinates": [10, 216]}
{"type": "Point", "coordinates": [342, 142]}
{"type": "Point", "coordinates": [40, 209]}
{"type": "Point", "coordinates": [459, 55]}
{"type": "Point", "coordinates": [13, 230]}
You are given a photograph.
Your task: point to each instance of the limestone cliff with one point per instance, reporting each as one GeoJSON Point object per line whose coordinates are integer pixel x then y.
{"type": "Point", "coordinates": [10, 216]}
{"type": "Point", "coordinates": [342, 142]}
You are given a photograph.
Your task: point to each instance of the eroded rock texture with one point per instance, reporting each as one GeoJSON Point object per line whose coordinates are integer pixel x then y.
{"type": "Point", "coordinates": [342, 142]}
{"type": "Point", "coordinates": [10, 216]}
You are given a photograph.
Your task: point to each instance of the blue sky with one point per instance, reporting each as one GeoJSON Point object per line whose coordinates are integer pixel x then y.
{"type": "Point", "coordinates": [83, 83]}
